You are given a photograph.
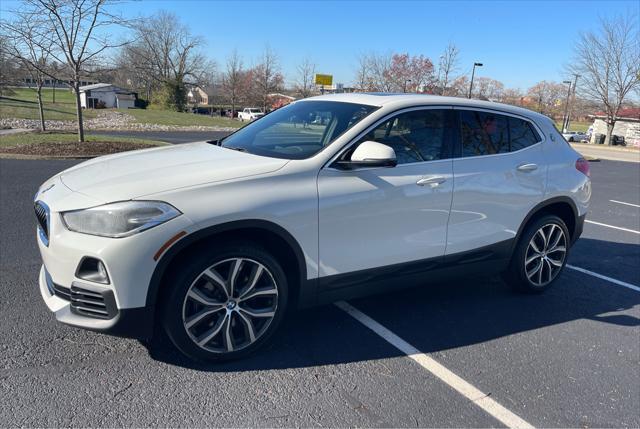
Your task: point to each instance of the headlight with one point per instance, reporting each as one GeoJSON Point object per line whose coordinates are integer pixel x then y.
{"type": "Point", "coordinates": [119, 219]}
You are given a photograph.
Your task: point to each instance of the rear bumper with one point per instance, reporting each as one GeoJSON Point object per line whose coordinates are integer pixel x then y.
{"type": "Point", "coordinates": [129, 322]}
{"type": "Point", "coordinates": [579, 227]}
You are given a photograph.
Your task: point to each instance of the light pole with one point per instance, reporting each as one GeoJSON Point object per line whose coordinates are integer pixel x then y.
{"type": "Point", "coordinates": [566, 107]}
{"type": "Point", "coordinates": [575, 82]}
{"type": "Point", "coordinates": [405, 85]}
{"type": "Point", "coordinates": [473, 72]}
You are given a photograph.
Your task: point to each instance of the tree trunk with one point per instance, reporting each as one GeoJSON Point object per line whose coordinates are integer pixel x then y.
{"type": "Point", "coordinates": [40, 108]}
{"type": "Point", "coordinates": [76, 89]}
{"type": "Point", "coordinates": [610, 126]}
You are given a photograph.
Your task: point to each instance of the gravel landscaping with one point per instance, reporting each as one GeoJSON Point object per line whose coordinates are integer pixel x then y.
{"type": "Point", "coordinates": [106, 120]}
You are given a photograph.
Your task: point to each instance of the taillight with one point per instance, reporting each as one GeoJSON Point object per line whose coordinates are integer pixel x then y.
{"type": "Point", "coordinates": [582, 165]}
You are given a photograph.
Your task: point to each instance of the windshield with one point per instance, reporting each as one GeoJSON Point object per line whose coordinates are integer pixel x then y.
{"type": "Point", "coordinates": [255, 110]}
{"type": "Point", "coordinates": [299, 130]}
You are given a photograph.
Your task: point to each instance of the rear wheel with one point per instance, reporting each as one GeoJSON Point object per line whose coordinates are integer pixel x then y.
{"type": "Point", "coordinates": [540, 255]}
{"type": "Point", "coordinates": [226, 306]}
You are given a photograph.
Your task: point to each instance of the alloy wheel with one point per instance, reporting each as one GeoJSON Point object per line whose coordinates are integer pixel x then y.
{"type": "Point", "coordinates": [545, 254]}
{"type": "Point", "coordinates": [230, 305]}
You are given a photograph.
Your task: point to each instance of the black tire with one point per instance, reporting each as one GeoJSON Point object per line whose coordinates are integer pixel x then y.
{"type": "Point", "coordinates": [516, 275]}
{"type": "Point", "coordinates": [181, 280]}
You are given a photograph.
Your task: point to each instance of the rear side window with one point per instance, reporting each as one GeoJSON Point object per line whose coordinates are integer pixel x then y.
{"type": "Point", "coordinates": [483, 133]}
{"type": "Point", "coordinates": [522, 134]}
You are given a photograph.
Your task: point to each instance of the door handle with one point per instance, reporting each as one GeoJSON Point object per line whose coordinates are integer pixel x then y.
{"type": "Point", "coordinates": [527, 167]}
{"type": "Point", "coordinates": [432, 181]}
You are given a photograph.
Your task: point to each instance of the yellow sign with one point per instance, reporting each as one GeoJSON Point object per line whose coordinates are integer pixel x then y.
{"type": "Point", "coordinates": [324, 79]}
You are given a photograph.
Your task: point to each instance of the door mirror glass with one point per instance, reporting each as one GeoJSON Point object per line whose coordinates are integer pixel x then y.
{"type": "Point", "coordinates": [370, 154]}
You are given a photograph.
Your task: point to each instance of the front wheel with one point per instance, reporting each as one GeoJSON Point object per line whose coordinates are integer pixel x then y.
{"type": "Point", "coordinates": [540, 255]}
{"type": "Point", "coordinates": [225, 306]}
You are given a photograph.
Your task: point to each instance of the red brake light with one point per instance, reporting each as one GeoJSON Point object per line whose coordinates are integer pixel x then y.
{"type": "Point", "coordinates": [582, 165]}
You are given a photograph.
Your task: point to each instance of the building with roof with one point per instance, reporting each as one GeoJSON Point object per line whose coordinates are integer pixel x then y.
{"type": "Point", "coordinates": [106, 95]}
{"type": "Point", "coordinates": [627, 126]}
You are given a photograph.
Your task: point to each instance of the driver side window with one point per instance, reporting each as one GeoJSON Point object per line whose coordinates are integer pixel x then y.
{"type": "Point", "coordinates": [416, 136]}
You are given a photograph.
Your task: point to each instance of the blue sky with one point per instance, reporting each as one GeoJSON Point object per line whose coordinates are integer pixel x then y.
{"type": "Point", "coordinates": [519, 42]}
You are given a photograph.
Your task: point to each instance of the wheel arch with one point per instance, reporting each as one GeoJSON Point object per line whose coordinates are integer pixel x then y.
{"type": "Point", "coordinates": [265, 233]}
{"type": "Point", "coordinates": [563, 207]}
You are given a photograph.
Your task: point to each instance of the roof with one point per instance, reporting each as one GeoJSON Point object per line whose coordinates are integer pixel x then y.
{"type": "Point", "coordinates": [400, 100]}
{"type": "Point", "coordinates": [95, 86]}
{"type": "Point", "coordinates": [631, 113]}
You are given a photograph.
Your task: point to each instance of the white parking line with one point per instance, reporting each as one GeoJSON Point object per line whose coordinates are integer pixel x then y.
{"type": "Point", "coordinates": [609, 279]}
{"type": "Point", "coordinates": [626, 204]}
{"type": "Point", "coordinates": [466, 389]}
{"type": "Point", "coordinates": [611, 226]}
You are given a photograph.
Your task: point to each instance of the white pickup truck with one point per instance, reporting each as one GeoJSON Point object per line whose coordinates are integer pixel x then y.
{"type": "Point", "coordinates": [250, 114]}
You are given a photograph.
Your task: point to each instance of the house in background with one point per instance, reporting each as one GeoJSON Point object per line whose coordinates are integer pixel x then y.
{"type": "Point", "coordinates": [106, 95]}
{"type": "Point", "coordinates": [278, 100]}
{"type": "Point", "coordinates": [627, 126]}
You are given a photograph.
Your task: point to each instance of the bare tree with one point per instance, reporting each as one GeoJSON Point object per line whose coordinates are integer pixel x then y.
{"type": "Point", "coordinates": [8, 67]}
{"type": "Point", "coordinates": [363, 74]}
{"type": "Point", "coordinates": [79, 33]}
{"type": "Point", "coordinates": [166, 52]}
{"type": "Point", "coordinates": [447, 68]}
{"type": "Point", "coordinates": [234, 80]}
{"type": "Point", "coordinates": [486, 88]}
{"type": "Point", "coordinates": [31, 48]}
{"type": "Point", "coordinates": [548, 97]}
{"type": "Point", "coordinates": [608, 63]}
{"type": "Point", "coordinates": [267, 77]}
{"type": "Point", "coordinates": [304, 83]}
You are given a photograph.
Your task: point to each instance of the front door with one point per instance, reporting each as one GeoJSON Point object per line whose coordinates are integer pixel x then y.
{"type": "Point", "coordinates": [376, 217]}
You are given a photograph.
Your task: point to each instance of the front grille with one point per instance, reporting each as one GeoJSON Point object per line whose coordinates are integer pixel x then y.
{"type": "Point", "coordinates": [42, 215]}
{"type": "Point", "coordinates": [91, 304]}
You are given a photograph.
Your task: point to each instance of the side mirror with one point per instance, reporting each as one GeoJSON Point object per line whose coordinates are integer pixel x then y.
{"type": "Point", "coordinates": [370, 154]}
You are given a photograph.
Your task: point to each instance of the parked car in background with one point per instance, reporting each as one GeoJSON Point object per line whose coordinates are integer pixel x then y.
{"type": "Point", "coordinates": [575, 136]}
{"type": "Point", "coordinates": [250, 114]}
{"type": "Point", "coordinates": [212, 242]}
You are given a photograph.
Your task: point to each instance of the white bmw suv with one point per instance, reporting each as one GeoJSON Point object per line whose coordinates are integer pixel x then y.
{"type": "Point", "coordinates": [214, 241]}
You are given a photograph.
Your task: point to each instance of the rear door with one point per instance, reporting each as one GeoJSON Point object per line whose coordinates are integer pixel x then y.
{"type": "Point", "coordinates": [499, 176]}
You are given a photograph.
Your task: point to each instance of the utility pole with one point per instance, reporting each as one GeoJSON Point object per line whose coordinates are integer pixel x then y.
{"type": "Point", "coordinates": [575, 82]}
{"type": "Point", "coordinates": [566, 107]}
{"type": "Point", "coordinates": [404, 89]}
{"type": "Point", "coordinates": [473, 72]}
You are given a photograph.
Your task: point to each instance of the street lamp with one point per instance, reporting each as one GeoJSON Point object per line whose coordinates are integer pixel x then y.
{"type": "Point", "coordinates": [405, 85]}
{"type": "Point", "coordinates": [472, 75]}
{"type": "Point", "coordinates": [566, 107]}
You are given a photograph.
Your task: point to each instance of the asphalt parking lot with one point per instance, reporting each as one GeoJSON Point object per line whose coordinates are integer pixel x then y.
{"type": "Point", "coordinates": [568, 358]}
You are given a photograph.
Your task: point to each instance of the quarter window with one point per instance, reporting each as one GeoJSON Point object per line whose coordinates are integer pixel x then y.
{"type": "Point", "coordinates": [522, 134]}
{"type": "Point", "coordinates": [483, 133]}
{"type": "Point", "coordinates": [416, 136]}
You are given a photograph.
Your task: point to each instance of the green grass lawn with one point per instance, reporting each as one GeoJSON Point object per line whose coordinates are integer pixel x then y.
{"type": "Point", "coordinates": [22, 104]}
{"type": "Point", "coordinates": [55, 137]}
{"type": "Point", "coordinates": [167, 117]}
{"type": "Point", "coordinates": [575, 126]}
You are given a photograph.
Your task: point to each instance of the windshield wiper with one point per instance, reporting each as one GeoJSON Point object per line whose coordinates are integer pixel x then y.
{"type": "Point", "coordinates": [239, 149]}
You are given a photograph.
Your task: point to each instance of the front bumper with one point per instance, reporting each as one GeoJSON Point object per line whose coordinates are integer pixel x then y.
{"type": "Point", "coordinates": [120, 307]}
{"type": "Point", "coordinates": [129, 322]}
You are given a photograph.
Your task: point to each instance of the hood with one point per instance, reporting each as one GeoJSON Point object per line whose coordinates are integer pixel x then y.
{"type": "Point", "coordinates": [134, 174]}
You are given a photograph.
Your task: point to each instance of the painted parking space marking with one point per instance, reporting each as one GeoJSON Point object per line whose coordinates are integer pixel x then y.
{"type": "Point", "coordinates": [603, 277]}
{"type": "Point", "coordinates": [613, 227]}
{"type": "Point", "coordinates": [475, 395]}
{"type": "Point", "coordinates": [626, 204]}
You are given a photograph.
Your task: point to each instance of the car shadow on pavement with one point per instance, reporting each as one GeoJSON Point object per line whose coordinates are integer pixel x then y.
{"type": "Point", "coordinates": [432, 318]}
